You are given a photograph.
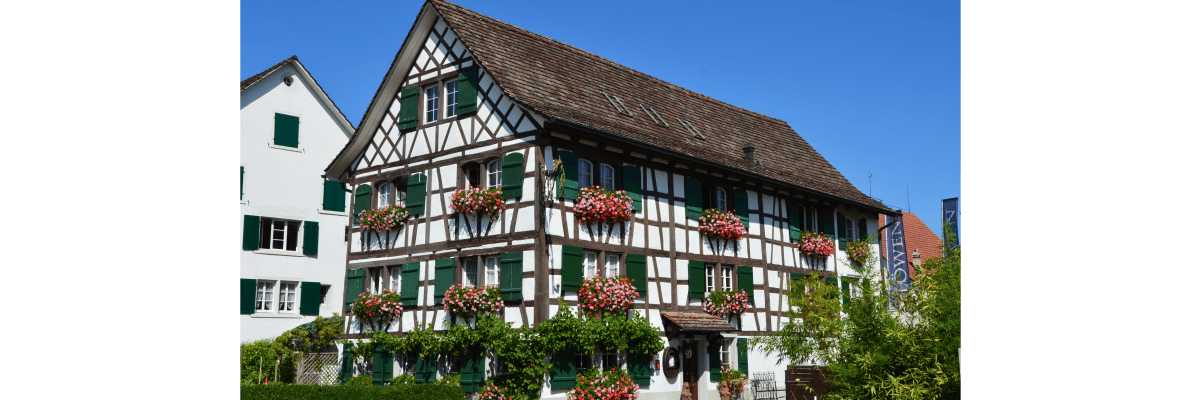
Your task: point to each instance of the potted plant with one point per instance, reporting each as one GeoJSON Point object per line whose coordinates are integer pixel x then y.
{"type": "Point", "coordinates": [599, 296]}
{"type": "Point", "coordinates": [725, 303]}
{"type": "Point", "coordinates": [478, 201]}
{"type": "Point", "coordinates": [462, 301]}
{"type": "Point", "coordinates": [383, 219]}
{"type": "Point", "coordinates": [715, 224]}
{"type": "Point", "coordinates": [596, 204]}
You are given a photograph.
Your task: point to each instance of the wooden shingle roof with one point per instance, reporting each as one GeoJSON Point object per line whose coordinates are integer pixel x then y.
{"type": "Point", "coordinates": [697, 321]}
{"type": "Point", "coordinates": [568, 84]}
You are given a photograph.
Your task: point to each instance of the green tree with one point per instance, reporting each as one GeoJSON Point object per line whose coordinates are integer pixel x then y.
{"type": "Point", "coordinates": [878, 345]}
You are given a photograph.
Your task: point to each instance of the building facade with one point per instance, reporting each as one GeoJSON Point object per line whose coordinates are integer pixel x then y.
{"type": "Point", "coordinates": [470, 100]}
{"type": "Point", "coordinates": [293, 252]}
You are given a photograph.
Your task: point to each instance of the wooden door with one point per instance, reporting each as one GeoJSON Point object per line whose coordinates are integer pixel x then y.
{"type": "Point", "coordinates": [691, 365]}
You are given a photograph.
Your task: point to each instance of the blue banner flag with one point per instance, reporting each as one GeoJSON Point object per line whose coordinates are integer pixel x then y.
{"type": "Point", "coordinates": [897, 255]}
{"type": "Point", "coordinates": [950, 217]}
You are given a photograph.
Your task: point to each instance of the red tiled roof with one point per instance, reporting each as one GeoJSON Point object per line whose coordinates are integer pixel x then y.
{"type": "Point", "coordinates": [918, 236]}
{"type": "Point", "coordinates": [694, 321]}
{"type": "Point", "coordinates": [565, 83]}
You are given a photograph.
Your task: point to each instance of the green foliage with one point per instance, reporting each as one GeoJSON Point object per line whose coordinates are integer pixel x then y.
{"type": "Point", "coordinates": [403, 379]}
{"type": "Point", "coordinates": [361, 380]}
{"type": "Point", "coordinates": [312, 392]}
{"type": "Point", "coordinates": [260, 357]}
{"type": "Point", "coordinates": [453, 380]}
{"type": "Point", "coordinates": [871, 350]}
{"type": "Point", "coordinates": [315, 335]}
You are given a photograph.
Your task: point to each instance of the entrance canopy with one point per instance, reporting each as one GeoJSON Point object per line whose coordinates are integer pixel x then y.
{"type": "Point", "coordinates": [695, 322]}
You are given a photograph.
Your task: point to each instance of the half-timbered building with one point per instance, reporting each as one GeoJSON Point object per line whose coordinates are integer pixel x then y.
{"type": "Point", "coordinates": [293, 221]}
{"type": "Point", "coordinates": [470, 100]}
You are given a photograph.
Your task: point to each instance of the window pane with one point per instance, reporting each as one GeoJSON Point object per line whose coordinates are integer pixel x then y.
{"type": "Point", "coordinates": [585, 174]}
{"type": "Point", "coordinates": [293, 231]}
{"type": "Point", "coordinates": [606, 177]}
{"type": "Point", "coordinates": [264, 236]}
{"type": "Point", "coordinates": [278, 231]}
{"type": "Point", "coordinates": [472, 172]}
{"type": "Point", "coordinates": [721, 200]}
{"type": "Point", "coordinates": [612, 265]}
{"type": "Point", "coordinates": [494, 174]}
{"type": "Point", "coordinates": [727, 278]}
{"type": "Point", "coordinates": [385, 195]}
{"type": "Point", "coordinates": [470, 273]}
{"type": "Point", "coordinates": [451, 98]}
{"type": "Point", "coordinates": [709, 284]}
{"type": "Point", "coordinates": [589, 265]}
{"type": "Point", "coordinates": [431, 104]}
{"type": "Point", "coordinates": [395, 286]}
{"type": "Point", "coordinates": [493, 271]}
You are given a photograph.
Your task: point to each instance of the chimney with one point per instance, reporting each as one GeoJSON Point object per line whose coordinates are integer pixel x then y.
{"type": "Point", "coordinates": [748, 149]}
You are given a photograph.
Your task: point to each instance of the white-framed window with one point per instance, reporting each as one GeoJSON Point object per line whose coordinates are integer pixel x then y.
{"type": "Point", "coordinates": [727, 277]}
{"type": "Point", "coordinates": [710, 283]}
{"type": "Point", "coordinates": [726, 359]}
{"type": "Point", "coordinates": [492, 271]}
{"type": "Point", "coordinates": [608, 179]}
{"type": "Point", "coordinates": [608, 358]}
{"type": "Point", "coordinates": [451, 98]}
{"type": "Point", "coordinates": [494, 172]}
{"type": "Point", "coordinates": [264, 296]}
{"type": "Point", "coordinates": [431, 104]}
{"type": "Point", "coordinates": [394, 282]}
{"type": "Point", "coordinates": [470, 273]}
{"type": "Point", "coordinates": [721, 204]}
{"type": "Point", "coordinates": [471, 173]}
{"type": "Point", "coordinates": [385, 195]}
{"type": "Point", "coordinates": [585, 173]}
{"type": "Point", "coordinates": [376, 280]}
{"type": "Point", "coordinates": [850, 225]}
{"type": "Point", "coordinates": [589, 265]}
{"type": "Point", "coordinates": [324, 293]}
{"type": "Point", "coordinates": [811, 217]}
{"type": "Point", "coordinates": [612, 265]}
{"type": "Point", "coordinates": [277, 297]}
{"type": "Point", "coordinates": [278, 234]}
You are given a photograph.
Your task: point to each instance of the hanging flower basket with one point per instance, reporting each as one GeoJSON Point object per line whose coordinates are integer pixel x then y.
{"type": "Point", "coordinates": [477, 200]}
{"type": "Point", "coordinates": [815, 245]}
{"type": "Point", "coordinates": [377, 311]}
{"type": "Point", "coordinates": [723, 303]}
{"type": "Point", "coordinates": [599, 296]}
{"type": "Point", "coordinates": [598, 205]}
{"type": "Point", "coordinates": [721, 225]}
{"type": "Point", "coordinates": [596, 384]}
{"type": "Point", "coordinates": [465, 301]}
{"type": "Point", "coordinates": [383, 219]}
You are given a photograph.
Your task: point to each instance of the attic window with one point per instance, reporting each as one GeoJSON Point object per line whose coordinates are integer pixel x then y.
{"type": "Point", "coordinates": [658, 119]}
{"type": "Point", "coordinates": [691, 129]}
{"type": "Point", "coordinates": [618, 104]}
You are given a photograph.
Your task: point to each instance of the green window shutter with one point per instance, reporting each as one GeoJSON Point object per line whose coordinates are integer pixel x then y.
{"type": "Point", "coordinates": [563, 375]}
{"type": "Point", "coordinates": [242, 185]}
{"type": "Point", "coordinates": [249, 290]}
{"type": "Point", "coordinates": [640, 369]}
{"type": "Point", "coordinates": [845, 291]}
{"type": "Point", "coordinates": [408, 109]}
{"type": "Point", "coordinates": [362, 200]}
{"type": "Point", "coordinates": [511, 274]}
{"type": "Point", "coordinates": [695, 280]}
{"type": "Point", "coordinates": [426, 369]}
{"type": "Point", "coordinates": [826, 215]}
{"type": "Point", "coordinates": [572, 268]}
{"type": "Point", "coordinates": [862, 228]}
{"type": "Point", "coordinates": [472, 369]}
{"type": "Point", "coordinates": [570, 171]}
{"type": "Point", "coordinates": [287, 130]}
{"type": "Point", "coordinates": [746, 280]}
{"type": "Point", "coordinates": [310, 298]}
{"type": "Point", "coordinates": [378, 362]}
{"type": "Point", "coordinates": [250, 232]}
{"type": "Point", "coordinates": [635, 269]}
{"type": "Point", "coordinates": [415, 203]}
{"type": "Point", "coordinates": [409, 274]}
{"type": "Point", "coordinates": [632, 184]}
{"type": "Point", "coordinates": [443, 278]}
{"type": "Point", "coordinates": [693, 198]}
{"type": "Point", "coordinates": [842, 238]}
{"type": "Point", "coordinates": [741, 206]}
{"type": "Point", "coordinates": [347, 363]}
{"type": "Point", "coordinates": [714, 360]}
{"type": "Point", "coordinates": [334, 198]}
{"type": "Point", "coordinates": [795, 223]}
{"type": "Point", "coordinates": [743, 357]}
{"type": "Point", "coordinates": [354, 286]}
{"type": "Point", "coordinates": [311, 236]}
{"type": "Point", "coordinates": [468, 89]}
{"type": "Point", "coordinates": [512, 175]}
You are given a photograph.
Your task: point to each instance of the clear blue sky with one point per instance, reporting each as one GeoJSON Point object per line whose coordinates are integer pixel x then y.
{"type": "Point", "coordinates": [872, 85]}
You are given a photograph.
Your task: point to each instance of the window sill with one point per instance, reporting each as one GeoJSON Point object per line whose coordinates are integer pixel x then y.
{"type": "Point", "coordinates": [324, 211]}
{"type": "Point", "coordinates": [275, 315]}
{"type": "Point", "coordinates": [295, 149]}
{"type": "Point", "coordinates": [280, 252]}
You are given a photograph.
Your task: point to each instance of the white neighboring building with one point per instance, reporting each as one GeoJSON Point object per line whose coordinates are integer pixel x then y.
{"type": "Point", "coordinates": [293, 247]}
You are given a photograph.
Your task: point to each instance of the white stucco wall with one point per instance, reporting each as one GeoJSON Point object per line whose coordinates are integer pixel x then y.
{"type": "Point", "coordinates": [287, 184]}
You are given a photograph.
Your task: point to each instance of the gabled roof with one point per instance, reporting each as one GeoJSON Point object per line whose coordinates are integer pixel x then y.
{"type": "Point", "coordinates": [309, 80]}
{"type": "Point", "coordinates": [568, 85]}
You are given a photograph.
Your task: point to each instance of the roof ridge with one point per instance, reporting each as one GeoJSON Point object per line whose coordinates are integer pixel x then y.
{"type": "Point", "coordinates": [253, 79]}
{"type": "Point", "coordinates": [478, 15]}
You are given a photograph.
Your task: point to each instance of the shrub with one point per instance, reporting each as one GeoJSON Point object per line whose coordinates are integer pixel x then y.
{"type": "Point", "coordinates": [310, 392]}
{"type": "Point", "coordinates": [404, 379]}
{"type": "Point", "coordinates": [721, 225]}
{"type": "Point", "coordinates": [268, 351]}
{"type": "Point", "coordinates": [361, 380]}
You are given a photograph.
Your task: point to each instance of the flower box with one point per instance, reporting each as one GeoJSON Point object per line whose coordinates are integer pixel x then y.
{"type": "Point", "coordinates": [463, 301]}
{"type": "Point", "coordinates": [721, 225]}
{"type": "Point", "coordinates": [815, 245]}
{"type": "Point", "coordinates": [597, 384]}
{"type": "Point", "coordinates": [723, 303]}
{"type": "Point", "coordinates": [596, 204]}
{"type": "Point", "coordinates": [383, 219]}
{"type": "Point", "coordinates": [377, 311]}
{"type": "Point", "coordinates": [599, 296]}
{"type": "Point", "coordinates": [477, 200]}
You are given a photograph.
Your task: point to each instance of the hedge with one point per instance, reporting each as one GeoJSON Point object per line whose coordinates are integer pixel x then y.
{"type": "Point", "coordinates": [431, 391]}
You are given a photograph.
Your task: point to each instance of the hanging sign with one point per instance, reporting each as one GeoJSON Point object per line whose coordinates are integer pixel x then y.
{"type": "Point", "coordinates": [897, 255]}
{"type": "Point", "coordinates": [950, 217]}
